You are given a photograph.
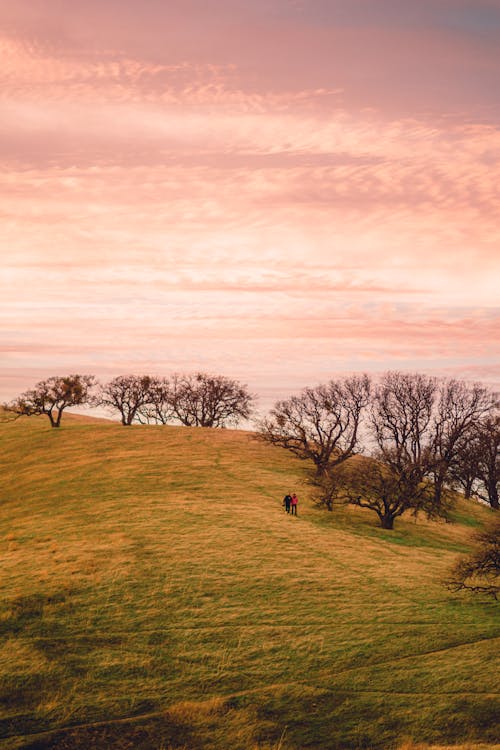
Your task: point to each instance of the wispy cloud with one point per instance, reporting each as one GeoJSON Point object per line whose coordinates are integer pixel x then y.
{"type": "Point", "coordinates": [172, 199]}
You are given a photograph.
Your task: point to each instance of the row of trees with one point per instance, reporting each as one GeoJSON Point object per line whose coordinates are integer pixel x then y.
{"type": "Point", "coordinates": [198, 399]}
{"type": "Point", "coordinates": [420, 436]}
{"type": "Point", "coordinates": [194, 400]}
{"type": "Point", "coordinates": [397, 445]}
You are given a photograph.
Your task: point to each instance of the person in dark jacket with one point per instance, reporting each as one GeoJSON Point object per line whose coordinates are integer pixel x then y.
{"type": "Point", "coordinates": [287, 501]}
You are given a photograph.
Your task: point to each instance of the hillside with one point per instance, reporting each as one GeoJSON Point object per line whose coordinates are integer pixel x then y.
{"type": "Point", "coordinates": [155, 595]}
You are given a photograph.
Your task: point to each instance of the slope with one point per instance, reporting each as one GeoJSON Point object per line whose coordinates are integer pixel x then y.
{"type": "Point", "coordinates": [156, 595]}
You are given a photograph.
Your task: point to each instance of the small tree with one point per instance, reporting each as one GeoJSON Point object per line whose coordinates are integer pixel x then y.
{"type": "Point", "coordinates": [480, 571]}
{"type": "Point", "coordinates": [322, 423]}
{"type": "Point", "coordinates": [373, 484]}
{"type": "Point", "coordinates": [53, 396]}
{"type": "Point", "coordinates": [126, 394]}
{"type": "Point", "coordinates": [202, 400]}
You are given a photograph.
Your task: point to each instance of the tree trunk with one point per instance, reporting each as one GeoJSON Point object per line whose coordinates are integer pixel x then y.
{"type": "Point", "coordinates": [387, 521]}
{"type": "Point", "coordinates": [493, 496]}
{"type": "Point", "coordinates": [468, 488]}
{"type": "Point", "coordinates": [438, 490]}
{"type": "Point", "coordinates": [320, 468]}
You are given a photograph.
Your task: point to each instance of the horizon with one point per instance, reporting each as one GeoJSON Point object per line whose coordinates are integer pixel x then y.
{"type": "Point", "coordinates": [282, 193]}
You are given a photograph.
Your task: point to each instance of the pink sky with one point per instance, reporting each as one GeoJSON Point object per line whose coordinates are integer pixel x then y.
{"type": "Point", "coordinates": [280, 191]}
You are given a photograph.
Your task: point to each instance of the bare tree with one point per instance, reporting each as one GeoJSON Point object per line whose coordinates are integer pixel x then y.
{"type": "Point", "coordinates": [322, 423]}
{"type": "Point", "coordinates": [203, 400]}
{"type": "Point", "coordinates": [464, 468]}
{"type": "Point", "coordinates": [459, 408]}
{"type": "Point", "coordinates": [401, 422]}
{"type": "Point", "coordinates": [400, 425]}
{"type": "Point", "coordinates": [125, 394]}
{"type": "Point", "coordinates": [159, 408]}
{"type": "Point", "coordinates": [398, 476]}
{"type": "Point", "coordinates": [53, 396]}
{"type": "Point", "coordinates": [371, 483]}
{"type": "Point", "coordinates": [489, 459]}
{"type": "Point", "coordinates": [419, 424]}
{"type": "Point", "coordinates": [480, 571]}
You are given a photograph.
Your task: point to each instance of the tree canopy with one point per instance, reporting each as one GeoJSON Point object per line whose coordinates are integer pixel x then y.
{"type": "Point", "coordinates": [321, 424]}
{"type": "Point", "coordinates": [52, 396]}
{"type": "Point", "coordinates": [479, 572]}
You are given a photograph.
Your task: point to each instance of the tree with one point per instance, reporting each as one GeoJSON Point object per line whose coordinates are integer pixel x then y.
{"type": "Point", "coordinates": [489, 459]}
{"type": "Point", "coordinates": [126, 394]}
{"type": "Point", "coordinates": [464, 469]}
{"type": "Point", "coordinates": [401, 424]}
{"type": "Point", "coordinates": [480, 571]}
{"type": "Point", "coordinates": [459, 408]}
{"type": "Point", "coordinates": [476, 465]}
{"type": "Point", "coordinates": [419, 423]}
{"type": "Point", "coordinates": [322, 423]}
{"type": "Point", "coordinates": [53, 396]}
{"type": "Point", "coordinates": [203, 400]}
{"type": "Point", "coordinates": [371, 483]}
{"type": "Point", "coordinates": [159, 407]}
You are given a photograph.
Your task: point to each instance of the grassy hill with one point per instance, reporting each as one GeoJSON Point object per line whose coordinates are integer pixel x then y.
{"type": "Point", "coordinates": [156, 596]}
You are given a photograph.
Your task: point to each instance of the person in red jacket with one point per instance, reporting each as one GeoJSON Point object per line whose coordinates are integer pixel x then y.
{"type": "Point", "coordinates": [294, 503]}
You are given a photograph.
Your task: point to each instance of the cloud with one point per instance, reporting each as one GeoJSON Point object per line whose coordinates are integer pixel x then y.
{"type": "Point", "coordinates": [401, 57]}
{"type": "Point", "coordinates": [174, 195]}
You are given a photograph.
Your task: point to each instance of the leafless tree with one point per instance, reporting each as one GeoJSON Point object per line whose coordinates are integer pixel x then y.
{"type": "Point", "coordinates": [476, 465]}
{"type": "Point", "coordinates": [322, 423]}
{"type": "Point", "coordinates": [159, 406]}
{"type": "Point", "coordinates": [371, 483]}
{"type": "Point", "coordinates": [489, 459]}
{"type": "Point", "coordinates": [203, 400]}
{"type": "Point", "coordinates": [459, 408]}
{"type": "Point", "coordinates": [125, 394]}
{"type": "Point", "coordinates": [480, 571]}
{"type": "Point", "coordinates": [53, 396]}
{"type": "Point", "coordinates": [419, 424]}
{"type": "Point", "coordinates": [401, 422]}
{"type": "Point", "coordinates": [464, 469]}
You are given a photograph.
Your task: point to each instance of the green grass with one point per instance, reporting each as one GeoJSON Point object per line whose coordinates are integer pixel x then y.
{"type": "Point", "coordinates": [155, 595]}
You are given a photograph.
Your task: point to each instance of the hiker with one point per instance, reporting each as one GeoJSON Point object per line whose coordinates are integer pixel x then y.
{"type": "Point", "coordinates": [293, 503]}
{"type": "Point", "coordinates": [287, 501]}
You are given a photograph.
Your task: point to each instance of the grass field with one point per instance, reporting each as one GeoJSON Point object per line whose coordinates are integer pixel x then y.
{"type": "Point", "coordinates": [156, 596]}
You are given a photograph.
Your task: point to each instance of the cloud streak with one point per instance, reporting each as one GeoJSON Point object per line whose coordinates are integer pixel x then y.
{"type": "Point", "coordinates": [173, 198]}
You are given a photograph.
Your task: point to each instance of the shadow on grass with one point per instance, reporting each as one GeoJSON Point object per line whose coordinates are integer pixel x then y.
{"type": "Point", "coordinates": [290, 719]}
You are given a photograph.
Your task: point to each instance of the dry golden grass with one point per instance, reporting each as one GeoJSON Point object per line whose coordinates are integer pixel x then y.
{"type": "Point", "coordinates": [153, 584]}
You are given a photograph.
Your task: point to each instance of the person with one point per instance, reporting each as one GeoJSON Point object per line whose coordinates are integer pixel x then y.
{"type": "Point", "coordinates": [287, 501]}
{"type": "Point", "coordinates": [293, 503]}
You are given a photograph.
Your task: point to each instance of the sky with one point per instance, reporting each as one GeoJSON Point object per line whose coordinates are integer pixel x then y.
{"type": "Point", "coordinates": [281, 191]}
